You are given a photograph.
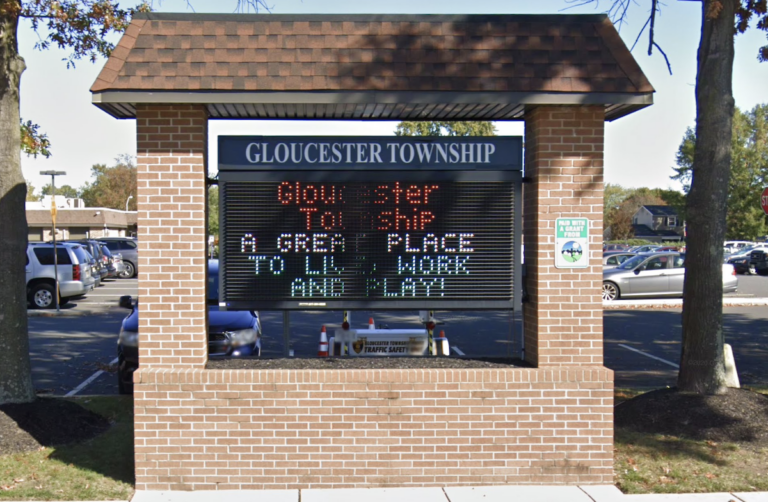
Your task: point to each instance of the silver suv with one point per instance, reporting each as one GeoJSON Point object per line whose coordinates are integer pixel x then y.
{"type": "Point", "coordinates": [75, 277]}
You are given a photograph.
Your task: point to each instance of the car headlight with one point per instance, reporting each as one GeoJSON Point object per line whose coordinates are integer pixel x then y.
{"type": "Point", "coordinates": [128, 338]}
{"type": "Point", "coordinates": [243, 337]}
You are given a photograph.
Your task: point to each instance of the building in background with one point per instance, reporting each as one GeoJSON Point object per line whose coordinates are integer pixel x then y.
{"type": "Point", "coordinates": [658, 224]}
{"type": "Point", "coordinates": [75, 221]}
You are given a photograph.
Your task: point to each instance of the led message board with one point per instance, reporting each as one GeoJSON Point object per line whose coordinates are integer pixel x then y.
{"type": "Point", "coordinates": [376, 235]}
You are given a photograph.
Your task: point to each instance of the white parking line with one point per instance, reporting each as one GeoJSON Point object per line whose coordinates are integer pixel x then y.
{"type": "Point", "coordinates": [458, 350]}
{"type": "Point", "coordinates": [88, 381]}
{"type": "Point", "coordinates": [649, 355]}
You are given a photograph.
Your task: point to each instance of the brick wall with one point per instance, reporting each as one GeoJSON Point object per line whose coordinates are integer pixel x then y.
{"type": "Point", "coordinates": [272, 429]}
{"type": "Point", "coordinates": [563, 321]}
{"type": "Point", "coordinates": [171, 172]}
{"type": "Point", "coordinates": [249, 429]}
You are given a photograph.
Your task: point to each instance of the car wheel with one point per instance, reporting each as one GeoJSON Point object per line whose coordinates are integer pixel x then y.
{"type": "Point", "coordinates": [610, 291]}
{"type": "Point", "coordinates": [752, 270]}
{"type": "Point", "coordinates": [129, 271]}
{"type": "Point", "coordinates": [41, 296]}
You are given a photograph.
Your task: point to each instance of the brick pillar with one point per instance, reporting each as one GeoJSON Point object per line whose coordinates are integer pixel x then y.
{"type": "Point", "coordinates": [172, 148]}
{"type": "Point", "coordinates": [564, 160]}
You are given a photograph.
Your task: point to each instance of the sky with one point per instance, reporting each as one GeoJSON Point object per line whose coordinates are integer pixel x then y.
{"type": "Point", "coordinates": [639, 149]}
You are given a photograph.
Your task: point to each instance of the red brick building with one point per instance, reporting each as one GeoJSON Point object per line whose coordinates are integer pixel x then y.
{"type": "Point", "coordinates": [211, 429]}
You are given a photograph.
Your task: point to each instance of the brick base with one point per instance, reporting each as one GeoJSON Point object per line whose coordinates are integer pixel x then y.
{"type": "Point", "coordinates": [270, 429]}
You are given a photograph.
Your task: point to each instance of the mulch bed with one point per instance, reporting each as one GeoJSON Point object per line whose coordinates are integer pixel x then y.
{"type": "Point", "coordinates": [359, 363]}
{"type": "Point", "coordinates": [738, 416]}
{"type": "Point", "coordinates": [46, 422]}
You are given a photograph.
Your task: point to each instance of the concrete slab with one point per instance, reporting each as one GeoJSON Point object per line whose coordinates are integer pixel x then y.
{"type": "Point", "coordinates": [509, 493]}
{"type": "Point", "coordinates": [209, 495]}
{"type": "Point", "coordinates": [374, 495]}
{"type": "Point", "coordinates": [680, 497]}
{"type": "Point", "coordinates": [603, 493]}
{"type": "Point", "coordinates": [752, 496]}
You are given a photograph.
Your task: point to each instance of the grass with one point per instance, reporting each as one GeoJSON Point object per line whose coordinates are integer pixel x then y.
{"type": "Point", "coordinates": [99, 469]}
{"type": "Point", "coordinates": [655, 463]}
{"type": "Point", "coordinates": [102, 468]}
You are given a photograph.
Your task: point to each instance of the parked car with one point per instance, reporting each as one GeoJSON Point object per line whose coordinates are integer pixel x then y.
{"type": "Point", "coordinates": [664, 249]}
{"type": "Point", "coordinates": [758, 261]}
{"type": "Point", "coordinates": [655, 275]}
{"type": "Point", "coordinates": [644, 249]}
{"type": "Point", "coordinates": [94, 248]}
{"type": "Point", "coordinates": [615, 258]}
{"type": "Point", "coordinates": [615, 247]}
{"type": "Point", "coordinates": [741, 259]}
{"type": "Point", "coordinates": [74, 274]}
{"type": "Point", "coordinates": [128, 247]}
{"type": "Point", "coordinates": [108, 260]}
{"type": "Point", "coordinates": [730, 247]}
{"type": "Point", "coordinates": [230, 334]}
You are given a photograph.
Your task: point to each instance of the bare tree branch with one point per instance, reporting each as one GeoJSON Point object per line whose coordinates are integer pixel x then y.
{"type": "Point", "coordinates": [669, 66]}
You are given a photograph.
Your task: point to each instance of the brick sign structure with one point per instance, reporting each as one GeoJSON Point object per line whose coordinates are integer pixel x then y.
{"type": "Point", "coordinates": [198, 428]}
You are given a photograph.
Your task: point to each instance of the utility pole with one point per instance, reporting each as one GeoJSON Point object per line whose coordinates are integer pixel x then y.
{"type": "Point", "coordinates": [53, 175]}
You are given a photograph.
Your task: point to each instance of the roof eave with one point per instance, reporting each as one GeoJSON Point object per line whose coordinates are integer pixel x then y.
{"type": "Point", "coordinates": [368, 105]}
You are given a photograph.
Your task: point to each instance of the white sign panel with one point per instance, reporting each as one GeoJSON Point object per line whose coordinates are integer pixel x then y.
{"type": "Point", "coordinates": [571, 243]}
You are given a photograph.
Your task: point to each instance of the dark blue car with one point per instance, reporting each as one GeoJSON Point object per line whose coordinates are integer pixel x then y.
{"type": "Point", "coordinates": [230, 334]}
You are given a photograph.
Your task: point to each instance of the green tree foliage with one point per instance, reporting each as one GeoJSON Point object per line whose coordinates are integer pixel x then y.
{"type": "Point", "coordinates": [476, 128]}
{"type": "Point", "coordinates": [112, 185]}
{"type": "Point", "coordinates": [31, 197]}
{"type": "Point", "coordinates": [62, 191]}
{"type": "Point", "coordinates": [33, 142]}
{"type": "Point", "coordinates": [213, 211]}
{"type": "Point", "coordinates": [745, 219]}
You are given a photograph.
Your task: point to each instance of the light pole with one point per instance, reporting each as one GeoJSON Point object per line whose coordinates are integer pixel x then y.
{"type": "Point", "coordinates": [126, 202]}
{"type": "Point", "coordinates": [53, 175]}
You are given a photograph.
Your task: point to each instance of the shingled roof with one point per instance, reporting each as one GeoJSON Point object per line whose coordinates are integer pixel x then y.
{"type": "Point", "coordinates": [395, 67]}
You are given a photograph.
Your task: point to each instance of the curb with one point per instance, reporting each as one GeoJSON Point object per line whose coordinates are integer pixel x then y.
{"type": "Point", "coordinates": [72, 312]}
{"type": "Point", "coordinates": [677, 303]}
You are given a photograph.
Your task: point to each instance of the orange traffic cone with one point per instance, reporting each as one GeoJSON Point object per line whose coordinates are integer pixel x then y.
{"type": "Point", "coordinates": [371, 324]}
{"type": "Point", "coordinates": [322, 349]}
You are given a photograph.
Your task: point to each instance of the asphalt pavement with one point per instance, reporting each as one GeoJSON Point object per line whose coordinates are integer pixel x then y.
{"type": "Point", "coordinates": [74, 351]}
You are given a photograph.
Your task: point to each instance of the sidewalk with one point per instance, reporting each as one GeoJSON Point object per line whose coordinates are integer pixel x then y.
{"type": "Point", "coordinates": [512, 493]}
{"type": "Point", "coordinates": [671, 303]}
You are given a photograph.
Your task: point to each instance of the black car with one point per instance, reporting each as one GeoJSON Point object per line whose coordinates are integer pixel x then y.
{"type": "Point", "coordinates": [230, 334]}
{"type": "Point", "coordinates": [758, 261]}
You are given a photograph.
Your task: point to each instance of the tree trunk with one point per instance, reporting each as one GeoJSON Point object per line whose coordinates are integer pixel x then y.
{"type": "Point", "coordinates": [15, 373]}
{"type": "Point", "coordinates": [702, 369]}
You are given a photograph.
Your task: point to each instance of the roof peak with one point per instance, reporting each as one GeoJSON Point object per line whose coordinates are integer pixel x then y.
{"type": "Point", "coordinates": [436, 18]}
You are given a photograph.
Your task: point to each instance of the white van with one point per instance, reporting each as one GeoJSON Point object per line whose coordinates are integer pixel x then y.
{"type": "Point", "coordinates": [731, 247]}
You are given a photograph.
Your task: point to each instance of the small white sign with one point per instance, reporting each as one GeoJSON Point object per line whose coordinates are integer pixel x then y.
{"type": "Point", "coordinates": [571, 243]}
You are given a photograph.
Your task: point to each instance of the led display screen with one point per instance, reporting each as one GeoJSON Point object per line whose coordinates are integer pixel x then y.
{"type": "Point", "coordinates": [375, 239]}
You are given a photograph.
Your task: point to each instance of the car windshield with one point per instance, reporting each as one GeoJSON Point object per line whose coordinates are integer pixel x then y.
{"type": "Point", "coordinates": [632, 262]}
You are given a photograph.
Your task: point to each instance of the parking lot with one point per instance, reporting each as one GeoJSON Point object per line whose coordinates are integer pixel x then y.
{"type": "Point", "coordinates": [641, 345]}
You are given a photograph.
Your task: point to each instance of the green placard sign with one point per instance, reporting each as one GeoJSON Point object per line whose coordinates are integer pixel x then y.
{"type": "Point", "coordinates": [571, 243]}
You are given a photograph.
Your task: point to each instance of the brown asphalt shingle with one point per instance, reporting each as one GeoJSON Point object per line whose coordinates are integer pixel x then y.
{"type": "Point", "coordinates": [181, 52]}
